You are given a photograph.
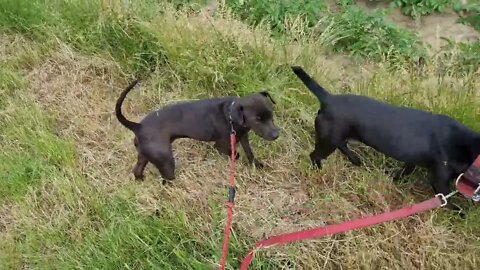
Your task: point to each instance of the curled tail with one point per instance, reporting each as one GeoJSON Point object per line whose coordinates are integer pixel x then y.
{"type": "Point", "coordinates": [311, 84]}
{"type": "Point", "coordinates": [118, 109]}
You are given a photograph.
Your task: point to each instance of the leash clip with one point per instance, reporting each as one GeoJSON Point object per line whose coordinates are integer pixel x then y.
{"type": "Point", "coordinates": [231, 194]}
{"type": "Point", "coordinates": [444, 198]}
{"type": "Point", "coordinates": [476, 195]}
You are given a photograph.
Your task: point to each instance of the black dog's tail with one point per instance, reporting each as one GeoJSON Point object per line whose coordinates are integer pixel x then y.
{"type": "Point", "coordinates": [118, 109]}
{"type": "Point", "coordinates": [311, 84]}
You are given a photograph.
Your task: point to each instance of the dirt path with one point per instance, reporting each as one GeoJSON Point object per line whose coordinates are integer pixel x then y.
{"type": "Point", "coordinates": [431, 28]}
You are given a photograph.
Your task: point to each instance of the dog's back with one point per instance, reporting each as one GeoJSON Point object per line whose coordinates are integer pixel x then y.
{"type": "Point", "coordinates": [186, 118]}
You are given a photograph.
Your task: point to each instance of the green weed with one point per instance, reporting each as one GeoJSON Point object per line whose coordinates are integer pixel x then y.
{"type": "Point", "coordinates": [418, 8]}
{"type": "Point", "coordinates": [276, 13]}
{"type": "Point", "coordinates": [368, 35]}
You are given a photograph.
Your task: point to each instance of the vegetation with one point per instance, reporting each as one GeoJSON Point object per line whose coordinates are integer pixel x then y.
{"type": "Point", "coordinates": [67, 197]}
{"type": "Point", "coordinates": [277, 14]}
{"type": "Point", "coordinates": [352, 30]}
{"type": "Point", "coordinates": [472, 14]}
{"type": "Point", "coordinates": [418, 8]}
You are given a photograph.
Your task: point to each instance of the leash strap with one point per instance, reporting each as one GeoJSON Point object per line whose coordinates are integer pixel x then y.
{"type": "Point", "coordinates": [230, 203]}
{"type": "Point", "coordinates": [437, 201]}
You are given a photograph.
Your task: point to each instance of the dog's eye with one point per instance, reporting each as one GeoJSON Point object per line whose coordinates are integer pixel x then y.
{"type": "Point", "coordinates": [259, 118]}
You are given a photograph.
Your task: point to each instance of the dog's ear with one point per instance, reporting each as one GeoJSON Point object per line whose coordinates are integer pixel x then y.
{"type": "Point", "coordinates": [266, 94]}
{"type": "Point", "coordinates": [237, 114]}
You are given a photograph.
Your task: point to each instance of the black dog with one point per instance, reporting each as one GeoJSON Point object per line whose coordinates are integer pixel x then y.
{"type": "Point", "coordinates": [418, 138]}
{"type": "Point", "coordinates": [205, 120]}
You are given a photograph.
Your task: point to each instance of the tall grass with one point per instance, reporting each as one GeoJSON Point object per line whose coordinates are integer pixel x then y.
{"type": "Point", "coordinates": [89, 26]}
{"type": "Point", "coordinates": [68, 200]}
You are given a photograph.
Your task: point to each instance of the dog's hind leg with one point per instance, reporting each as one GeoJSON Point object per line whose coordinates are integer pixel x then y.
{"type": "Point", "coordinates": [323, 148]}
{"type": "Point", "coordinates": [140, 166]}
{"type": "Point", "coordinates": [329, 142]}
{"type": "Point", "coordinates": [141, 161]}
{"type": "Point", "coordinates": [162, 157]}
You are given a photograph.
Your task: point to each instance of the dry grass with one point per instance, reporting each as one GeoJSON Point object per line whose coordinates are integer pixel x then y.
{"type": "Point", "coordinates": [78, 93]}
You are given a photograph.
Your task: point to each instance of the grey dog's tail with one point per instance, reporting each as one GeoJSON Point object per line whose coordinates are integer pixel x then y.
{"type": "Point", "coordinates": [311, 84]}
{"type": "Point", "coordinates": [118, 109]}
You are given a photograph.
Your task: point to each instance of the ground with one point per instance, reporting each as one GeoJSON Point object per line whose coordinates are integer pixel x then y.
{"type": "Point", "coordinates": [69, 199]}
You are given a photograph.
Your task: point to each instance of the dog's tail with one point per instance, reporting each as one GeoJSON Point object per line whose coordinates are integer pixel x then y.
{"type": "Point", "coordinates": [118, 109]}
{"type": "Point", "coordinates": [311, 84]}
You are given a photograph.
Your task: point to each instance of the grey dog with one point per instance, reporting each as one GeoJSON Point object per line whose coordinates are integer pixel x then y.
{"type": "Point", "coordinates": [205, 120]}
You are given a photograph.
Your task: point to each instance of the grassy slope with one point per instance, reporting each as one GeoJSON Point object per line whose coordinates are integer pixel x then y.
{"type": "Point", "coordinates": [67, 196]}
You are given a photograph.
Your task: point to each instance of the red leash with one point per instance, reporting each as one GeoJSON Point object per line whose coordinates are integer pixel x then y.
{"type": "Point", "coordinates": [437, 201]}
{"type": "Point", "coordinates": [230, 203]}
{"type": "Point", "coordinates": [468, 184]}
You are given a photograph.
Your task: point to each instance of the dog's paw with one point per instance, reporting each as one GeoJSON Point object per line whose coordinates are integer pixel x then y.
{"type": "Point", "coordinates": [460, 212]}
{"type": "Point", "coordinates": [355, 161]}
{"type": "Point", "coordinates": [316, 165]}
{"type": "Point", "coordinates": [167, 182]}
{"type": "Point", "coordinates": [138, 177]}
{"type": "Point", "coordinates": [316, 162]}
{"type": "Point", "coordinates": [258, 164]}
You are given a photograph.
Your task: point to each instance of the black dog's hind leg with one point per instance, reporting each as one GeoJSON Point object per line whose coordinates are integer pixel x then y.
{"type": "Point", "coordinates": [323, 148]}
{"type": "Point", "coordinates": [248, 151]}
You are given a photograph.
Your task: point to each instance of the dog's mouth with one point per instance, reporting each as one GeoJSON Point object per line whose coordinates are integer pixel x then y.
{"type": "Point", "coordinates": [271, 136]}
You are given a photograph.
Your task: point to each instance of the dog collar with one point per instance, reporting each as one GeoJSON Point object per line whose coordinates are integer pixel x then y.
{"type": "Point", "coordinates": [230, 117]}
{"type": "Point", "coordinates": [230, 112]}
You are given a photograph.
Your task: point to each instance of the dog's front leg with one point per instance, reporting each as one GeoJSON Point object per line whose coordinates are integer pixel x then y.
{"type": "Point", "coordinates": [353, 158]}
{"type": "Point", "coordinates": [248, 151]}
{"type": "Point", "coordinates": [439, 176]}
{"type": "Point", "coordinates": [223, 147]}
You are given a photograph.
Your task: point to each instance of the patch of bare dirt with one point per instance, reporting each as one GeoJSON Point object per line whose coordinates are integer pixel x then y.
{"type": "Point", "coordinates": [432, 28]}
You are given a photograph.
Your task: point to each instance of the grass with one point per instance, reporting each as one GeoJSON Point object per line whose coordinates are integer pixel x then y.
{"type": "Point", "coordinates": [351, 30]}
{"type": "Point", "coordinates": [67, 197]}
{"type": "Point", "coordinates": [89, 26]}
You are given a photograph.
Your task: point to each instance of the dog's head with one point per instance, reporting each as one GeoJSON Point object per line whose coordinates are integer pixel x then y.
{"type": "Point", "coordinates": [255, 112]}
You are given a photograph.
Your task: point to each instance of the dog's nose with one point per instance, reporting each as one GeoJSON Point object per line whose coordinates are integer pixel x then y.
{"type": "Point", "coordinates": [275, 134]}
